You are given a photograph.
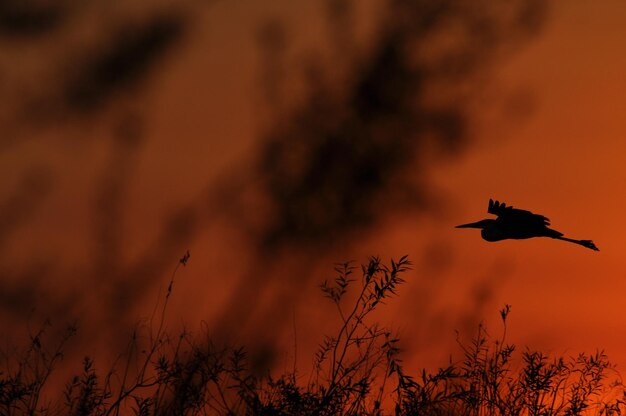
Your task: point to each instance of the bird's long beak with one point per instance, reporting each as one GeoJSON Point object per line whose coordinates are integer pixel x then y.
{"type": "Point", "coordinates": [470, 225]}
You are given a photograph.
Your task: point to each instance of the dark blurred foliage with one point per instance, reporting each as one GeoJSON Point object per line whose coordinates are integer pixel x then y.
{"type": "Point", "coordinates": [326, 171]}
{"type": "Point", "coordinates": [124, 61]}
{"type": "Point", "coordinates": [353, 150]}
{"type": "Point", "coordinates": [78, 79]}
{"type": "Point", "coordinates": [82, 78]}
{"type": "Point", "coordinates": [359, 147]}
{"type": "Point", "coordinates": [30, 19]}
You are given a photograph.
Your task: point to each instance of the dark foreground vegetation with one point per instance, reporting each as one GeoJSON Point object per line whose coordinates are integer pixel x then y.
{"type": "Point", "coordinates": [357, 371]}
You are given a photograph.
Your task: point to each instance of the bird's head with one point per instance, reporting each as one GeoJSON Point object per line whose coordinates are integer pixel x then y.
{"type": "Point", "coordinates": [479, 224]}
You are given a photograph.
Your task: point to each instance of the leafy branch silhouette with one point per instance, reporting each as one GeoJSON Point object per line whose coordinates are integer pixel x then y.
{"type": "Point", "coordinates": [358, 370]}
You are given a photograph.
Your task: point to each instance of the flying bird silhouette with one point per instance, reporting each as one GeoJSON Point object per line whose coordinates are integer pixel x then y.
{"type": "Point", "coordinates": [513, 223]}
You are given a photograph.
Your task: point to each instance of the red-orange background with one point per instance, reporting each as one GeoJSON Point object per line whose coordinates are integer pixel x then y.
{"type": "Point", "coordinates": [563, 158]}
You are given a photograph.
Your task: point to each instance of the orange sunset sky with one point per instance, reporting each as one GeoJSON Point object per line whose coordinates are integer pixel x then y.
{"type": "Point", "coordinates": [547, 133]}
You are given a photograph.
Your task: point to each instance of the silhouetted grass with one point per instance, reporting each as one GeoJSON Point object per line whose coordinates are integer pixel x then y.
{"type": "Point", "coordinates": [357, 371]}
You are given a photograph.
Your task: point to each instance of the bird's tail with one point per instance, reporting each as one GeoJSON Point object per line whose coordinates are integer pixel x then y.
{"type": "Point", "coordinates": [584, 243]}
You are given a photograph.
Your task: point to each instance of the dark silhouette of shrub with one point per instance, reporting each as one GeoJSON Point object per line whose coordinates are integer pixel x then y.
{"type": "Point", "coordinates": [357, 371]}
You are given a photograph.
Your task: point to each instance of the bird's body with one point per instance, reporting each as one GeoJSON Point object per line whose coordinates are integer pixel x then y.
{"type": "Point", "coordinates": [512, 223]}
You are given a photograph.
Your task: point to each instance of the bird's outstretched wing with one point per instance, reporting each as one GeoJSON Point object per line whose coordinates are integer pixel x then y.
{"type": "Point", "coordinates": [514, 215]}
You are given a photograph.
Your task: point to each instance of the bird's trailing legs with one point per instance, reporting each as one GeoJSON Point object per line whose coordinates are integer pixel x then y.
{"type": "Point", "coordinates": [584, 243]}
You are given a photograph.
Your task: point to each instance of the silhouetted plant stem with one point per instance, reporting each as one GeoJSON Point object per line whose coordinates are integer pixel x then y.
{"type": "Point", "coordinates": [186, 375]}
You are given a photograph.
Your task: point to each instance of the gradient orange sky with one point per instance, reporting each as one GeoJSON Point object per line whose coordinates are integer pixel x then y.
{"type": "Point", "coordinates": [567, 162]}
{"type": "Point", "coordinates": [564, 159]}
